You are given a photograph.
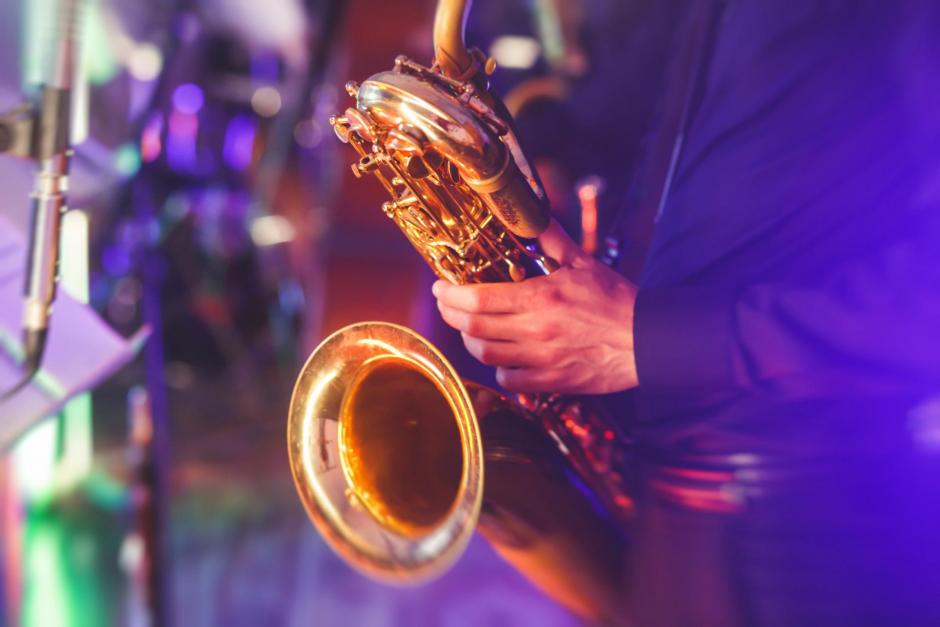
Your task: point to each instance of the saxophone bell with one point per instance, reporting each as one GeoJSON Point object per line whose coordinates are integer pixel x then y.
{"type": "Point", "coordinates": [397, 462]}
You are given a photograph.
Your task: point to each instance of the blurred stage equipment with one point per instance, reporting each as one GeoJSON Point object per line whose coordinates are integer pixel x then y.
{"type": "Point", "coordinates": [387, 445]}
{"type": "Point", "coordinates": [588, 191]}
{"type": "Point", "coordinates": [80, 354]}
{"type": "Point", "coordinates": [41, 133]}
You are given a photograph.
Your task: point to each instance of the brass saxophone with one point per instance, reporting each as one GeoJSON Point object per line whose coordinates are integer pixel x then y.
{"type": "Point", "coordinates": [388, 447]}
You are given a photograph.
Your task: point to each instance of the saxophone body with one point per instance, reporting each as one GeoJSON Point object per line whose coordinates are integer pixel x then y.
{"type": "Point", "coordinates": [444, 156]}
{"type": "Point", "coordinates": [396, 460]}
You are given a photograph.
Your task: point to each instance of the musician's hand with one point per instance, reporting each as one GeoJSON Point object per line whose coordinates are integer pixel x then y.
{"type": "Point", "coordinates": [568, 332]}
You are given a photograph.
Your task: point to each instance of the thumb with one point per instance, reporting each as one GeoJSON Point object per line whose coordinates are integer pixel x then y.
{"type": "Point", "coordinates": [558, 245]}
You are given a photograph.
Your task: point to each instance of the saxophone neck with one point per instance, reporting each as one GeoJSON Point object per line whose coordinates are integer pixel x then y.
{"type": "Point", "coordinates": [450, 48]}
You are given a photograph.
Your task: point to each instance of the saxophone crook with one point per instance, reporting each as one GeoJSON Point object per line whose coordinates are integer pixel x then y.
{"type": "Point", "coordinates": [450, 51]}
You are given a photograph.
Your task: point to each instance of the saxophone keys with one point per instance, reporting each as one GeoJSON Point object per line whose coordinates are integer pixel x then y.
{"type": "Point", "coordinates": [407, 139]}
{"type": "Point", "coordinates": [433, 159]}
{"type": "Point", "coordinates": [516, 272]}
{"type": "Point", "coordinates": [403, 142]}
{"type": "Point", "coordinates": [416, 168]}
{"type": "Point", "coordinates": [392, 207]}
{"type": "Point", "coordinates": [360, 124]}
{"type": "Point", "coordinates": [340, 127]}
{"type": "Point", "coordinates": [365, 164]}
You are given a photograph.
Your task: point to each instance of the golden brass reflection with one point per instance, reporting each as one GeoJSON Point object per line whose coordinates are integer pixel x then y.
{"type": "Point", "coordinates": [400, 446]}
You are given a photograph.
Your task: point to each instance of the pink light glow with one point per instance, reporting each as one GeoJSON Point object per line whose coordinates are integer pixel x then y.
{"type": "Point", "coordinates": [151, 140]}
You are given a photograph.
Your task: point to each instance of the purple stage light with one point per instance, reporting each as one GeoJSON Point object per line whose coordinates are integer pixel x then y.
{"type": "Point", "coordinates": [239, 142]}
{"type": "Point", "coordinates": [116, 260]}
{"type": "Point", "coordinates": [181, 141]}
{"type": "Point", "coordinates": [188, 98]}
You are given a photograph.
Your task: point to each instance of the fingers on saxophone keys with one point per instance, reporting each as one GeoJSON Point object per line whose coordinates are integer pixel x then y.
{"type": "Point", "coordinates": [487, 326]}
{"type": "Point", "coordinates": [558, 245]}
{"type": "Point", "coordinates": [459, 320]}
{"type": "Point", "coordinates": [504, 353]}
{"type": "Point", "coordinates": [481, 298]}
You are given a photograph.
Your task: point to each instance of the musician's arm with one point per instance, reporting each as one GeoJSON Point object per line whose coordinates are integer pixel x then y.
{"type": "Point", "coordinates": [868, 326]}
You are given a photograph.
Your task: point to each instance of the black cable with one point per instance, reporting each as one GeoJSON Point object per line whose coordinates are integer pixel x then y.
{"type": "Point", "coordinates": [34, 343]}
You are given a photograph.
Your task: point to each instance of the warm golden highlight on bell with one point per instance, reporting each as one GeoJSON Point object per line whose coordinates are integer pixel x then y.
{"type": "Point", "coordinates": [389, 450]}
{"type": "Point", "coordinates": [400, 446]}
{"type": "Point", "coordinates": [386, 452]}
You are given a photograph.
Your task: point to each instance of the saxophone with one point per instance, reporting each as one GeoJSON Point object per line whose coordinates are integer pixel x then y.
{"type": "Point", "coordinates": [388, 447]}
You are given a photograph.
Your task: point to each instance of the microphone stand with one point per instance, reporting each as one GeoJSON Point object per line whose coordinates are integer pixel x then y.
{"type": "Point", "coordinates": [40, 133]}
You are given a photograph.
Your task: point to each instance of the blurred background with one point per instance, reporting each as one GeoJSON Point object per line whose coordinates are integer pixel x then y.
{"type": "Point", "coordinates": [220, 216]}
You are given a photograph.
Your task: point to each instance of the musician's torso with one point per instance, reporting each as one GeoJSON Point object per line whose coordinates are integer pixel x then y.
{"type": "Point", "coordinates": [802, 153]}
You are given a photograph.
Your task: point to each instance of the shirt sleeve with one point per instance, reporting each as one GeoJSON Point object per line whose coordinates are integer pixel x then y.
{"type": "Point", "coordinates": [870, 325]}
